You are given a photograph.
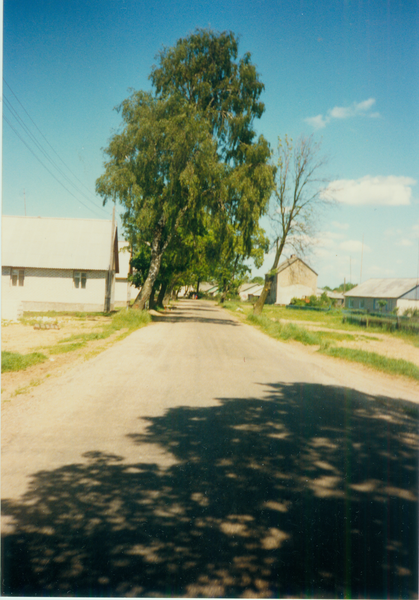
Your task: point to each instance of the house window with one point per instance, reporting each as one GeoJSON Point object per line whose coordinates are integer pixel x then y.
{"type": "Point", "coordinates": [362, 303]}
{"type": "Point", "coordinates": [350, 302]}
{"type": "Point", "coordinates": [79, 279]}
{"type": "Point", "coordinates": [18, 277]}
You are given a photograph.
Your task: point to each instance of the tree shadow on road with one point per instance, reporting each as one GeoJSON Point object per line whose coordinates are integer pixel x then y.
{"type": "Point", "coordinates": [307, 491]}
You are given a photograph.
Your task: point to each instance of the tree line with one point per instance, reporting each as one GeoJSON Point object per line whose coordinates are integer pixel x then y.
{"type": "Point", "coordinates": [193, 177]}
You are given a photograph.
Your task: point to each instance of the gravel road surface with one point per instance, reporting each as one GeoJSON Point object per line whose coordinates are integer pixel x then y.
{"type": "Point", "coordinates": [199, 457]}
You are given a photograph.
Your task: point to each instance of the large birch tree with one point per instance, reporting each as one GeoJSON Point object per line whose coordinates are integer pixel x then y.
{"type": "Point", "coordinates": [189, 148]}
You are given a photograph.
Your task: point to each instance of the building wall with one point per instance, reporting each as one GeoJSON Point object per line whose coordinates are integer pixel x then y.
{"type": "Point", "coordinates": [403, 305]}
{"type": "Point", "coordinates": [369, 304]}
{"type": "Point", "coordinates": [53, 289]}
{"type": "Point", "coordinates": [124, 291]}
{"type": "Point", "coordinates": [296, 281]}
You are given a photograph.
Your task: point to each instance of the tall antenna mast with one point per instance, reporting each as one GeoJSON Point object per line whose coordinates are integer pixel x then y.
{"type": "Point", "coordinates": [362, 254]}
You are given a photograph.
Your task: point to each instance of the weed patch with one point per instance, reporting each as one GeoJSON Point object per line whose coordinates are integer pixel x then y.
{"type": "Point", "coordinates": [394, 366]}
{"type": "Point", "coordinates": [13, 361]}
{"type": "Point", "coordinates": [63, 348]}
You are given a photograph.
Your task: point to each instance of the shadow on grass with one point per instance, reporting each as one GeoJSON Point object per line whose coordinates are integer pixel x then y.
{"type": "Point", "coordinates": [307, 491]}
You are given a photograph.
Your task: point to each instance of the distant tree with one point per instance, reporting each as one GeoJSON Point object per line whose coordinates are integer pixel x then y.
{"type": "Point", "coordinates": [297, 201]}
{"type": "Point", "coordinates": [345, 286]}
{"type": "Point", "coordinates": [258, 280]}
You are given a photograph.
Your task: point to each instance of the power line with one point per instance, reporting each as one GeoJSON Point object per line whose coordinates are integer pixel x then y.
{"type": "Point", "coordinates": [45, 152]}
{"type": "Point", "coordinates": [45, 167]}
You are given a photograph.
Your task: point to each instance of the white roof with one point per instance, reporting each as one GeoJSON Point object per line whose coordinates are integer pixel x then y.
{"type": "Point", "coordinates": [383, 288]}
{"type": "Point", "coordinates": [256, 291]}
{"type": "Point", "coordinates": [51, 243]}
{"type": "Point", "coordinates": [245, 287]}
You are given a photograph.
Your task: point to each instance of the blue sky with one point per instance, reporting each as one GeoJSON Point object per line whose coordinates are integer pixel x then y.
{"type": "Point", "coordinates": [346, 71]}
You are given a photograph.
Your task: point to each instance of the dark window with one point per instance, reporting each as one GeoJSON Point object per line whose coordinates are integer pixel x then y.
{"type": "Point", "coordinates": [18, 277]}
{"type": "Point", "coordinates": [79, 279]}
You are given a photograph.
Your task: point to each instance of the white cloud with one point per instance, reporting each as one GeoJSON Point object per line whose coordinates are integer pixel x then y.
{"type": "Point", "coordinates": [356, 109]}
{"type": "Point", "coordinates": [379, 191]}
{"type": "Point", "coordinates": [343, 226]}
{"type": "Point", "coordinates": [392, 231]}
{"type": "Point", "coordinates": [405, 243]}
{"type": "Point", "coordinates": [354, 246]}
{"type": "Point", "coordinates": [317, 122]}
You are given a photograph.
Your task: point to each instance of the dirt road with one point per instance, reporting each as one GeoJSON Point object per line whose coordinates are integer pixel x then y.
{"type": "Point", "coordinates": [199, 457]}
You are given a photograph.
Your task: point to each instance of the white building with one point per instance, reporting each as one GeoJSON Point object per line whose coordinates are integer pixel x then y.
{"type": "Point", "coordinates": [57, 264]}
{"type": "Point", "coordinates": [293, 279]}
{"type": "Point", "coordinates": [125, 292]}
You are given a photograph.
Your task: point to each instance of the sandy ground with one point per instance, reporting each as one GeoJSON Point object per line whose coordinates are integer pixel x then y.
{"type": "Point", "coordinates": [199, 457]}
{"type": "Point", "coordinates": [25, 339]}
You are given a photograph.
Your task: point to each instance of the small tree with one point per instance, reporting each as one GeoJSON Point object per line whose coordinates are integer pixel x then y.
{"type": "Point", "coordinates": [296, 202]}
{"type": "Point", "coordinates": [382, 304]}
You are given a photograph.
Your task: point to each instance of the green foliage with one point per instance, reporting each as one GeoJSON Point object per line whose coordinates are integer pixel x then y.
{"type": "Point", "coordinates": [345, 286]}
{"type": "Point", "coordinates": [258, 280]}
{"type": "Point", "coordinates": [13, 361]}
{"type": "Point", "coordinates": [187, 160]}
{"type": "Point", "coordinates": [63, 348]}
{"type": "Point", "coordinates": [204, 71]}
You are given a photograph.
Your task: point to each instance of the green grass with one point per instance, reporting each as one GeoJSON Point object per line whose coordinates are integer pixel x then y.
{"type": "Point", "coordinates": [269, 323]}
{"type": "Point", "coordinates": [330, 320]}
{"type": "Point", "coordinates": [290, 331]}
{"type": "Point", "coordinates": [394, 366]}
{"type": "Point", "coordinates": [13, 361]}
{"type": "Point", "coordinates": [63, 348]}
{"type": "Point", "coordinates": [130, 320]}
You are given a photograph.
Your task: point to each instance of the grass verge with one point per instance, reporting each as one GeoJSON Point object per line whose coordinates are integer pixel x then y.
{"type": "Point", "coordinates": [13, 361]}
{"type": "Point", "coordinates": [290, 331]}
{"type": "Point", "coordinates": [394, 366]}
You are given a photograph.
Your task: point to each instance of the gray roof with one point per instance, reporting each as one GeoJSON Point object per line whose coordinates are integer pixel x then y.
{"type": "Point", "coordinates": [244, 287]}
{"type": "Point", "coordinates": [256, 291]}
{"type": "Point", "coordinates": [383, 288]}
{"type": "Point", "coordinates": [52, 243]}
{"type": "Point", "coordinates": [287, 263]}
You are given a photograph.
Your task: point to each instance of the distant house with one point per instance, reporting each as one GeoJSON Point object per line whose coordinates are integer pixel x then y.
{"type": "Point", "coordinates": [58, 264]}
{"type": "Point", "coordinates": [254, 293]}
{"type": "Point", "coordinates": [397, 293]}
{"type": "Point", "coordinates": [248, 288]}
{"type": "Point", "coordinates": [124, 290]}
{"type": "Point", "coordinates": [293, 279]}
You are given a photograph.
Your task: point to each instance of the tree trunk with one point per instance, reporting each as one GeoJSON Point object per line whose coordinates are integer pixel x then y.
{"type": "Point", "coordinates": [151, 302]}
{"type": "Point", "coordinates": [157, 249]}
{"type": "Point", "coordinates": [147, 288]}
{"type": "Point", "coordinates": [169, 291]}
{"type": "Point", "coordinates": [257, 309]}
{"type": "Point", "coordinates": [162, 293]}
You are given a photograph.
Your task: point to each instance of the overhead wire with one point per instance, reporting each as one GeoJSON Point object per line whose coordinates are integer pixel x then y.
{"type": "Point", "coordinates": [45, 167]}
{"type": "Point", "coordinates": [45, 153]}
